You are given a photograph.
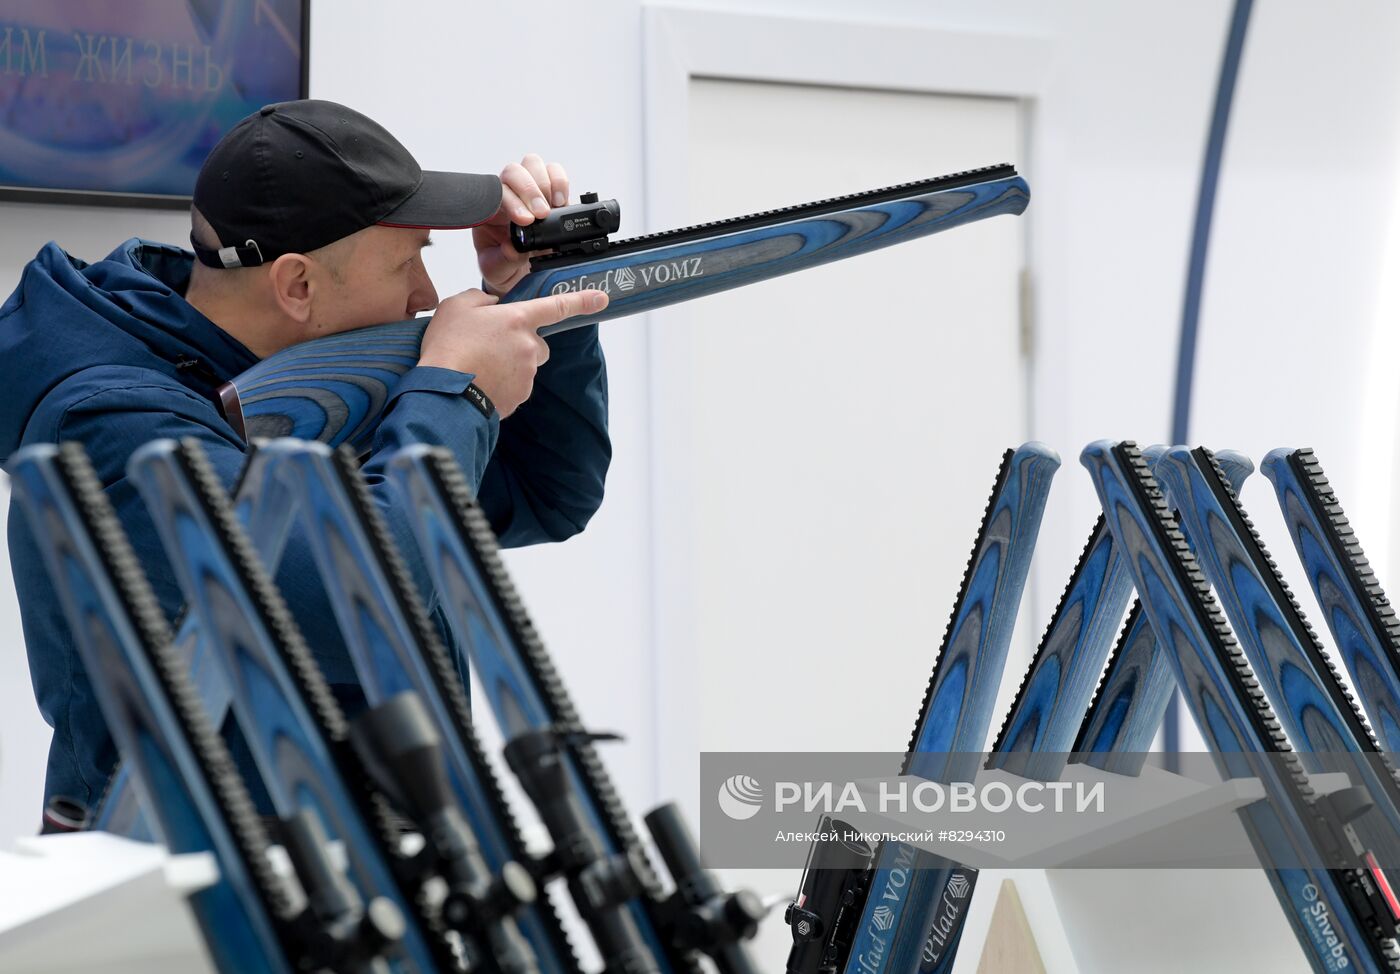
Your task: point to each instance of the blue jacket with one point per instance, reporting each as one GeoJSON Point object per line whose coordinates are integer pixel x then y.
{"type": "Point", "coordinates": [111, 355]}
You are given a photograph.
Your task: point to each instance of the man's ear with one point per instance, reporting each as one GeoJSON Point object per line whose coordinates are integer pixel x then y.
{"type": "Point", "coordinates": [292, 285]}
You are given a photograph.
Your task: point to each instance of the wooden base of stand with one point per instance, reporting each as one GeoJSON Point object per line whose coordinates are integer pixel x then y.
{"type": "Point", "coordinates": [1010, 947]}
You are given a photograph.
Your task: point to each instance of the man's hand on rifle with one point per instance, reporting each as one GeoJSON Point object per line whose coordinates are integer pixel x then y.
{"type": "Point", "coordinates": [529, 189]}
{"type": "Point", "coordinates": [499, 343]}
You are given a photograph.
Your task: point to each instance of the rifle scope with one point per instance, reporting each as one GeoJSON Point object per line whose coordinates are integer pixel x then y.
{"type": "Point", "coordinates": [600, 882]}
{"type": "Point", "coordinates": [705, 917]}
{"type": "Point", "coordinates": [582, 228]}
{"type": "Point", "coordinates": [398, 743]}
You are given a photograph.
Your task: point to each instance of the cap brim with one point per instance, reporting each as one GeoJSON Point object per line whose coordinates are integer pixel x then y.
{"type": "Point", "coordinates": [448, 201]}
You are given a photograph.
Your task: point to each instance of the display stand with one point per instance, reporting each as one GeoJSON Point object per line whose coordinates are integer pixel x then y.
{"type": "Point", "coordinates": [92, 901]}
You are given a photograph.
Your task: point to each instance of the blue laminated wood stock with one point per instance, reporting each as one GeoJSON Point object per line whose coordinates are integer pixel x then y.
{"type": "Point", "coordinates": [1035, 737]}
{"type": "Point", "coordinates": [1337, 914]}
{"type": "Point", "coordinates": [148, 703]}
{"type": "Point", "coordinates": [395, 650]}
{"type": "Point", "coordinates": [419, 719]}
{"type": "Point", "coordinates": [1133, 692]}
{"type": "Point", "coordinates": [414, 753]}
{"type": "Point", "coordinates": [956, 716]}
{"type": "Point", "coordinates": [1357, 611]}
{"type": "Point", "coordinates": [1042, 717]}
{"type": "Point", "coordinates": [298, 736]}
{"type": "Point", "coordinates": [1317, 710]}
{"type": "Point", "coordinates": [198, 799]}
{"type": "Point", "coordinates": [265, 509]}
{"type": "Point", "coordinates": [334, 389]}
{"type": "Point", "coordinates": [1041, 723]}
{"type": "Point", "coordinates": [1040, 726]}
{"type": "Point", "coordinates": [1132, 697]}
{"type": "Point", "coordinates": [1050, 705]}
{"type": "Point", "coordinates": [877, 906]}
{"type": "Point", "coordinates": [602, 859]}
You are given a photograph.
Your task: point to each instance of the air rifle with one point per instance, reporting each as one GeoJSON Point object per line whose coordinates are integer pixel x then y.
{"type": "Point", "coordinates": [1318, 712]}
{"type": "Point", "coordinates": [1129, 707]}
{"type": "Point", "coordinates": [418, 717]}
{"type": "Point", "coordinates": [1338, 914]}
{"type": "Point", "coordinates": [637, 926]}
{"type": "Point", "coordinates": [186, 775]}
{"type": "Point", "coordinates": [393, 648]}
{"type": "Point", "coordinates": [1053, 695]}
{"type": "Point", "coordinates": [853, 918]}
{"type": "Point", "coordinates": [1041, 723]}
{"type": "Point", "coordinates": [334, 389]}
{"type": "Point", "coordinates": [347, 776]}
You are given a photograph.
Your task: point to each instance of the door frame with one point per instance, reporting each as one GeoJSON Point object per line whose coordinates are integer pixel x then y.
{"type": "Point", "coordinates": [680, 44]}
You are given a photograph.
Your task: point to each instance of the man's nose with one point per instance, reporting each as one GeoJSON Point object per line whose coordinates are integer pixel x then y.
{"type": "Point", "coordinates": [424, 296]}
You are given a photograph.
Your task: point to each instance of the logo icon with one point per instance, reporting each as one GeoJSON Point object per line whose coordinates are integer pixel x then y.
{"type": "Point", "coordinates": [740, 797]}
{"type": "Point", "coordinates": [958, 886]}
{"type": "Point", "coordinates": [883, 918]}
{"type": "Point", "coordinates": [626, 279]}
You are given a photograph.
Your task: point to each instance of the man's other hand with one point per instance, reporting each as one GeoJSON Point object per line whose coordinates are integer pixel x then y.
{"type": "Point", "coordinates": [500, 343]}
{"type": "Point", "coordinates": [529, 190]}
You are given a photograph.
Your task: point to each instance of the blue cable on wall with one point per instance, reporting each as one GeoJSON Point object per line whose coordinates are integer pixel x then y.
{"type": "Point", "coordinates": [1195, 281]}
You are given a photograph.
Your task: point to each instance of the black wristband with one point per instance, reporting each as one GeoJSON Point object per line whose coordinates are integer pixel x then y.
{"type": "Point", "coordinates": [480, 400]}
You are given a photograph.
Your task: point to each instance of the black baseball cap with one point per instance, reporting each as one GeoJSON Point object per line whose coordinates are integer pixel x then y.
{"type": "Point", "coordinates": [298, 175]}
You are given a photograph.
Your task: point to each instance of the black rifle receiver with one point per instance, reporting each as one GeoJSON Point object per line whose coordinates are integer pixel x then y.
{"type": "Point", "coordinates": [829, 899]}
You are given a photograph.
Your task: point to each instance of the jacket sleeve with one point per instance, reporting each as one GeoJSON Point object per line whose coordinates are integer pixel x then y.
{"type": "Point", "coordinates": [538, 474]}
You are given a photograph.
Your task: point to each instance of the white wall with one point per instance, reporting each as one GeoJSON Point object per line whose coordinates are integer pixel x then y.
{"type": "Point", "coordinates": [1294, 278]}
{"type": "Point", "coordinates": [1295, 306]}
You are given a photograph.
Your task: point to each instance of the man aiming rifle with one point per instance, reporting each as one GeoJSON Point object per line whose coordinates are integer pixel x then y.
{"type": "Point", "coordinates": [308, 219]}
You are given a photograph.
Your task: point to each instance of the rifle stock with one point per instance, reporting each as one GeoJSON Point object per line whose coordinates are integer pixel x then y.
{"type": "Point", "coordinates": [888, 905]}
{"type": "Point", "coordinates": [1131, 701]}
{"type": "Point", "coordinates": [1238, 723]}
{"type": "Point", "coordinates": [200, 804]}
{"type": "Point", "coordinates": [334, 389]}
{"type": "Point", "coordinates": [1356, 610]}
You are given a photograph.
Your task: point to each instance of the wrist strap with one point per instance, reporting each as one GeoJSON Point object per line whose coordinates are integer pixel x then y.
{"type": "Point", "coordinates": [480, 400]}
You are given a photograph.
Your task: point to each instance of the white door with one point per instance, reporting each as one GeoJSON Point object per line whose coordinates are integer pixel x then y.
{"type": "Point", "coordinates": [825, 442]}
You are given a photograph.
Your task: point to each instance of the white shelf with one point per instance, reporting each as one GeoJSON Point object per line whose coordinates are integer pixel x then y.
{"type": "Point", "coordinates": [1148, 920]}
{"type": "Point", "coordinates": [91, 901]}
